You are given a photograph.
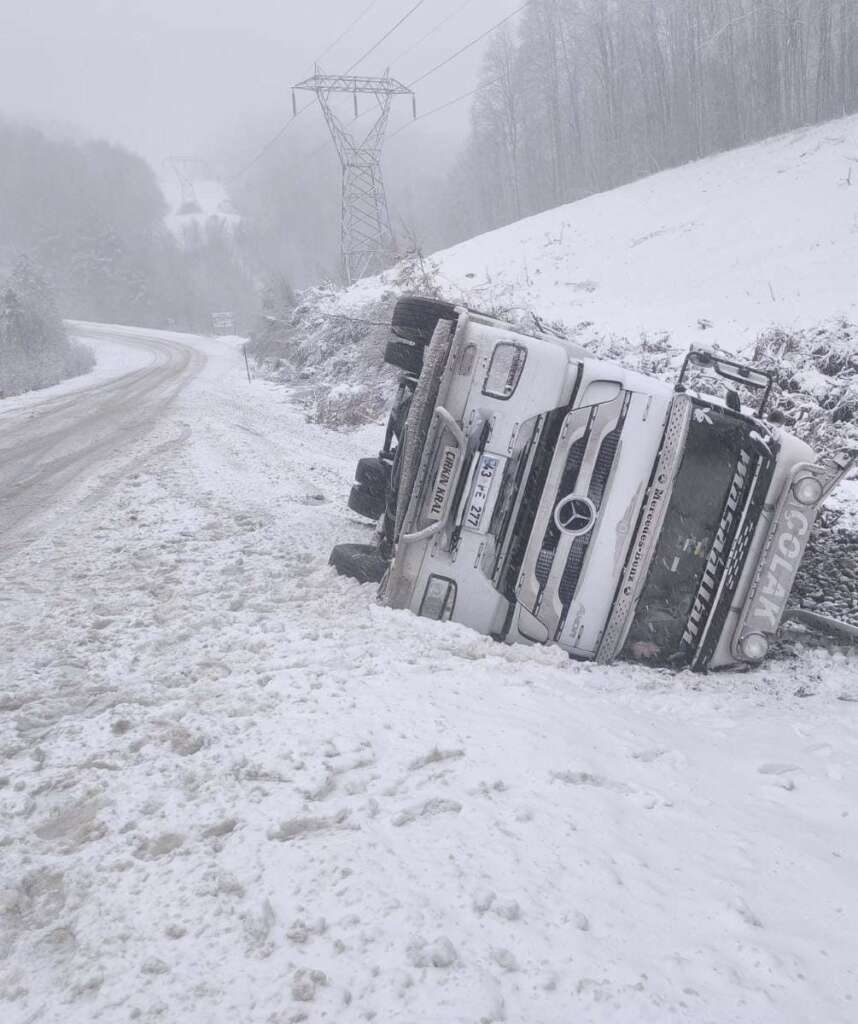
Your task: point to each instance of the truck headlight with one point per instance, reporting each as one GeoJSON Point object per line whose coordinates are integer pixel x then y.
{"type": "Point", "coordinates": [505, 370]}
{"type": "Point", "coordinates": [755, 646]}
{"type": "Point", "coordinates": [438, 599]}
{"type": "Point", "coordinates": [807, 490]}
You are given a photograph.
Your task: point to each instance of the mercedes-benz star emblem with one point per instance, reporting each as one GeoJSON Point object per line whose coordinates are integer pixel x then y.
{"type": "Point", "coordinates": [575, 514]}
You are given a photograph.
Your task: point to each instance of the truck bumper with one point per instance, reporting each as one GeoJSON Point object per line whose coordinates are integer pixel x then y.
{"type": "Point", "coordinates": [806, 490]}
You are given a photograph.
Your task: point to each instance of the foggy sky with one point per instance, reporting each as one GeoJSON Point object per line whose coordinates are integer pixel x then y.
{"type": "Point", "coordinates": [177, 76]}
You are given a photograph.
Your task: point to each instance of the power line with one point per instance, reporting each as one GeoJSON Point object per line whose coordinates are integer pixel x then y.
{"type": "Point", "coordinates": [273, 141]}
{"type": "Point", "coordinates": [442, 64]}
{"type": "Point", "coordinates": [467, 46]}
{"type": "Point", "coordinates": [346, 31]}
{"type": "Point", "coordinates": [388, 33]}
{"type": "Point", "coordinates": [443, 106]}
{"type": "Point", "coordinates": [432, 31]}
{"type": "Point", "coordinates": [421, 78]}
{"type": "Point", "coordinates": [268, 145]}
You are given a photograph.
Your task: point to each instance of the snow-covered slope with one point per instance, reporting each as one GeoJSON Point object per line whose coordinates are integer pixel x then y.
{"type": "Point", "coordinates": [212, 199]}
{"type": "Point", "coordinates": [763, 235]}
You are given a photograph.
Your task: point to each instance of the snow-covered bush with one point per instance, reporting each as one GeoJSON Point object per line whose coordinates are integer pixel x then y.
{"type": "Point", "coordinates": [331, 356]}
{"type": "Point", "coordinates": [816, 381]}
{"type": "Point", "coordinates": [35, 350]}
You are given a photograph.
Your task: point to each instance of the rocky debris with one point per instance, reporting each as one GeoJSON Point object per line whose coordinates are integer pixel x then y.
{"type": "Point", "coordinates": [827, 581]}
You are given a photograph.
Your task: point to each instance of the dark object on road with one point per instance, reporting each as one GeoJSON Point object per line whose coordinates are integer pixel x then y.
{"type": "Point", "coordinates": [362, 562]}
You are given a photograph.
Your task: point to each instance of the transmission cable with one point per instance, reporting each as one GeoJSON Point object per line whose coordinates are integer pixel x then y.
{"type": "Point", "coordinates": [386, 35]}
{"type": "Point", "coordinates": [421, 78]}
{"type": "Point", "coordinates": [442, 64]}
{"type": "Point", "coordinates": [432, 31]}
{"type": "Point", "coordinates": [346, 31]}
{"type": "Point", "coordinates": [273, 141]}
{"type": "Point", "coordinates": [443, 106]}
{"type": "Point", "coordinates": [467, 46]}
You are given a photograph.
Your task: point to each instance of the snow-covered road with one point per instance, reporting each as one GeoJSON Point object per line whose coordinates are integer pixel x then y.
{"type": "Point", "coordinates": [234, 789]}
{"type": "Point", "coordinates": [52, 441]}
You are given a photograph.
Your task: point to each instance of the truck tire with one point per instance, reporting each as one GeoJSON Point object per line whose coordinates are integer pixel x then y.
{"type": "Point", "coordinates": [374, 476]}
{"type": "Point", "coordinates": [404, 355]}
{"type": "Point", "coordinates": [415, 319]}
{"type": "Point", "coordinates": [361, 562]}
{"type": "Point", "coordinates": [365, 503]}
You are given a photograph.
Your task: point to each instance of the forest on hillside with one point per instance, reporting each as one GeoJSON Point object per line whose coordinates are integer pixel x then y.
{"type": "Point", "coordinates": [590, 94]}
{"type": "Point", "coordinates": [576, 97]}
{"type": "Point", "coordinates": [90, 216]}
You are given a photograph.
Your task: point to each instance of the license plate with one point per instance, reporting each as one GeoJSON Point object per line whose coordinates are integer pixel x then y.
{"type": "Point", "coordinates": [481, 490]}
{"type": "Point", "coordinates": [779, 568]}
{"type": "Point", "coordinates": [441, 489]}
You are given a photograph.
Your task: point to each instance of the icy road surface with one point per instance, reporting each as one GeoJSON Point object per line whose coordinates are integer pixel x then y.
{"type": "Point", "coordinates": [233, 789]}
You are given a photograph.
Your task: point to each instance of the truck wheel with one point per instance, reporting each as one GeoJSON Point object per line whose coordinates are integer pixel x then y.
{"type": "Point", "coordinates": [362, 562]}
{"type": "Point", "coordinates": [374, 476]}
{"type": "Point", "coordinates": [365, 503]}
{"type": "Point", "coordinates": [415, 319]}
{"type": "Point", "coordinates": [405, 355]}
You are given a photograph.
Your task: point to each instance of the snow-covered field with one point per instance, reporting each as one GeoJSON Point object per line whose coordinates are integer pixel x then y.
{"type": "Point", "coordinates": [234, 789]}
{"type": "Point", "coordinates": [758, 236]}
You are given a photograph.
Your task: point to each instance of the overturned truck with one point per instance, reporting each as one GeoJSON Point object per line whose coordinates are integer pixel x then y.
{"type": "Point", "coordinates": [540, 495]}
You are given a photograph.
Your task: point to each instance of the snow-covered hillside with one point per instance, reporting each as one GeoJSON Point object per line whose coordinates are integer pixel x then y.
{"type": "Point", "coordinates": [763, 235]}
{"type": "Point", "coordinates": [212, 200]}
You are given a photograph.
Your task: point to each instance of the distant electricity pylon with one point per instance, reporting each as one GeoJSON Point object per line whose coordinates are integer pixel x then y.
{"type": "Point", "coordinates": [366, 237]}
{"type": "Point", "coordinates": [186, 169]}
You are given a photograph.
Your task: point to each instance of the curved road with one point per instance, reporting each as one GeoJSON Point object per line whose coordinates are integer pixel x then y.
{"type": "Point", "coordinates": [48, 447]}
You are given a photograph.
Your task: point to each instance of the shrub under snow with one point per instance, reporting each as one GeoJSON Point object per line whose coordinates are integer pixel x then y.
{"type": "Point", "coordinates": [35, 350]}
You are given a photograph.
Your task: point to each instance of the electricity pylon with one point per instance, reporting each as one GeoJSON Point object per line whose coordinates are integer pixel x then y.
{"type": "Point", "coordinates": [185, 170]}
{"type": "Point", "coordinates": [366, 237]}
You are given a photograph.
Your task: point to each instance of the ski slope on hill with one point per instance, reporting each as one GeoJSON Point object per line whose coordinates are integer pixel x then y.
{"type": "Point", "coordinates": [758, 236]}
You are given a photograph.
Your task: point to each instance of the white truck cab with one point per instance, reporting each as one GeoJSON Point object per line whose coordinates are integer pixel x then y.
{"type": "Point", "coordinates": [539, 495]}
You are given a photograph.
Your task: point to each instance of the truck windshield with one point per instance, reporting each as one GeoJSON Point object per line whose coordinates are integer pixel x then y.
{"type": "Point", "coordinates": [709, 494]}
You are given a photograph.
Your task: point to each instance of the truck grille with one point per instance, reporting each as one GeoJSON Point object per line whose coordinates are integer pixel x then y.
{"type": "Point", "coordinates": [598, 484]}
{"type": "Point", "coordinates": [545, 559]}
{"type": "Point", "coordinates": [738, 541]}
{"type": "Point", "coordinates": [533, 488]}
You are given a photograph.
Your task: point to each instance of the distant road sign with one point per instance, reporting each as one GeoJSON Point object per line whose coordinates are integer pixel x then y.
{"type": "Point", "coordinates": [223, 323]}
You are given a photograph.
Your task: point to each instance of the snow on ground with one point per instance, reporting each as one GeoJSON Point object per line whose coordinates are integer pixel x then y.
{"type": "Point", "coordinates": [233, 788]}
{"type": "Point", "coordinates": [758, 236]}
